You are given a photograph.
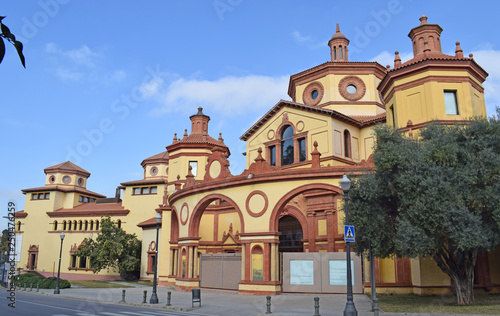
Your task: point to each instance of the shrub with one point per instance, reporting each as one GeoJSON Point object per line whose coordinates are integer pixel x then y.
{"type": "Point", "coordinates": [44, 283]}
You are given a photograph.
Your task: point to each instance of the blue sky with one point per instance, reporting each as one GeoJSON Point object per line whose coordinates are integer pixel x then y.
{"type": "Point", "coordinates": [108, 83]}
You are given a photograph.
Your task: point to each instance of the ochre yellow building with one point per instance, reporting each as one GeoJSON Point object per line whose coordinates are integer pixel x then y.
{"type": "Point", "coordinates": [278, 226]}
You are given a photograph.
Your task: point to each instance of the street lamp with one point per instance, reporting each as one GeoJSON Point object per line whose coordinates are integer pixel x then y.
{"type": "Point", "coordinates": [154, 297]}
{"type": "Point", "coordinates": [56, 291]}
{"type": "Point", "coordinates": [350, 309]}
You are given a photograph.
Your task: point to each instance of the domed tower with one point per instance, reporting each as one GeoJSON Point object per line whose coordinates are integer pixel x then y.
{"type": "Point", "coordinates": [338, 46]}
{"type": "Point", "coordinates": [432, 86]}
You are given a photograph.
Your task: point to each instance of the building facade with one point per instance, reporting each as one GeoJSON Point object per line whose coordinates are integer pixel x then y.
{"type": "Point", "coordinates": [278, 226]}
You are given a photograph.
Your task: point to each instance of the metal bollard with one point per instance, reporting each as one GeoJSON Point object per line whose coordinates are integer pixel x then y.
{"type": "Point", "coordinates": [169, 296]}
{"type": "Point", "coordinates": [268, 305]}
{"type": "Point", "coordinates": [316, 306]}
{"type": "Point", "coordinates": [25, 286]}
{"type": "Point", "coordinates": [31, 287]}
{"type": "Point", "coordinates": [123, 297]}
{"type": "Point", "coordinates": [37, 287]}
{"type": "Point", "coordinates": [144, 297]}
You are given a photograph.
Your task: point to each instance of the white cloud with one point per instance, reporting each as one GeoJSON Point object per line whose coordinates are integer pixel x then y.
{"type": "Point", "coordinates": [228, 96]}
{"type": "Point", "coordinates": [488, 60]}
{"type": "Point", "coordinates": [299, 38]}
{"type": "Point", "coordinates": [67, 74]}
{"type": "Point", "coordinates": [385, 58]}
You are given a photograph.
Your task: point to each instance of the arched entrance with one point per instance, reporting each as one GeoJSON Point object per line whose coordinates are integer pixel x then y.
{"type": "Point", "coordinates": [291, 235]}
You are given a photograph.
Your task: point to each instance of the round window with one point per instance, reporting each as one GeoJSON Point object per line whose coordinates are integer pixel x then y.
{"type": "Point", "coordinates": [351, 89]}
{"type": "Point", "coordinates": [52, 179]}
{"type": "Point", "coordinates": [154, 170]}
{"type": "Point", "coordinates": [314, 94]}
{"type": "Point", "coordinates": [80, 181]}
{"type": "Point", "coordinates": [66, 179]}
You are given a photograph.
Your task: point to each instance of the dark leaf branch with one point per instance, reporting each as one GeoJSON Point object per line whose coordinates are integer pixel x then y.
{"type": "Point", "coordinates": [6, 34]}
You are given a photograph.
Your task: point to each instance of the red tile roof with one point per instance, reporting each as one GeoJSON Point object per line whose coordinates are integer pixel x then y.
{"type": "Point", "coordinates": [91, 209]}
{"type": "Point", "coordinates": [145, 181]}
{"type": "Point", "coordinates": [148, 223]}
{"type": "Point", "coordinates": [67, 167]}
{"type": "Point", "coordinates": [64, 189]}
{"type": "Point", "coordinates": [158, 158]}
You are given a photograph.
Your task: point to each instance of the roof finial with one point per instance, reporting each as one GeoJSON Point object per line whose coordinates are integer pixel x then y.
{"type": "Point", "coordinates": [175, 137]}
{"type": "Point", "coordinates": [185, 133]}
{"type": "Point", "coordinates": [458, 51]}
{"type": "Point", "coordinates": [397, 59]}
{"type": "Point", "coordinates": [423, 20]}
{"type": "Point", "coordinates": [338, 28]}
{"type": "Point", "coordinates": [200, 111]}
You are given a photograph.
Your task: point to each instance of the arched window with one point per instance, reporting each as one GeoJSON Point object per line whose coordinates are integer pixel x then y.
{"type": "Point", "coordinates": [80, 225]}
{"type": "Point", "coordinates": [287, 150]}
{"type": "Point", "coordinates": [75, 223]}
{"type": "Point", "coordinates": [119, 223]}
{"type": "Point", "coordinates": [96, 225]}
{"type": "Point", "coordinates": [86, 225]}
{"type": "Point", "coordinates": [340, 51]}
{"type": "Point", "coordinates": [19, 226]}
{"type": "Point", "coordinates": [347, 144]}
{"type": "Point", "coordinates": [55, 226]}
{"type": "Point", "coordinates": [91, 225]}
{"type": "Point", "coordinates": [69, 225]}
{"type": "Point", "coordinates": [65, 225]}
{"type": "Point", "coordinates": [334, 53]}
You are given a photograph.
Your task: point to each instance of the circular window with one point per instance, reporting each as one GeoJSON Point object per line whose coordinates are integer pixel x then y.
{"type": "Point", "coordinates": [313, 93]}
{"type": "Point", "coordinates": [351, 89]}
{"type": "Point", "coordinates": [52, 179]}
{"type": "Point", "coordinates": [154, 171]}
{"type": "Point", "coordinates": [66, 179]}
{"type": "Point", "coordinates": [80, 181]}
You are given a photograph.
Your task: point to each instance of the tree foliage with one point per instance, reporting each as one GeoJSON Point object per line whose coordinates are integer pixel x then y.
{"type": "Point", "coordinates": [5, 33]}
{"type": "Point", "coordinates": [437, 197]}
{"type": "Point", "coordinates": [113, 249]}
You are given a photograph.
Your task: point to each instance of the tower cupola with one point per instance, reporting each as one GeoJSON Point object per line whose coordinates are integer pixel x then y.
{"type": "Point", "coordinates": [338, 46]}
{"type": "Point", "coordinates": [426, 38]}
{"type": "Point", "coordinates": [199, 123]}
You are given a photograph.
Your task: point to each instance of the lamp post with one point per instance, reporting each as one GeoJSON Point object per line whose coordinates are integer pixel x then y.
{"type": "Point", "coordinates": [154, 297]}
{"type": "Point", "coordinates": [56, 291]}
{"type": "Point", "coordinates": [350, 309]}
{"type": "Point", "coordinates": [372, 283]}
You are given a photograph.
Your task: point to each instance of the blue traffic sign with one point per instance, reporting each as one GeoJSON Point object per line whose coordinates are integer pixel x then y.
{"type": "Point", "coordinates": [349, 233]}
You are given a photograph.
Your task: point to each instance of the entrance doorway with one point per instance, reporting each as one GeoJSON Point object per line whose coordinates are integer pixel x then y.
{"type": "Point", "coordinates": [291, 235]}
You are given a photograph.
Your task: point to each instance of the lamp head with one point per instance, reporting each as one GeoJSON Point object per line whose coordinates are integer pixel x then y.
{"type": "Point", "coordinates": [62, 236]}
{"type": "Point", "coordinates": [158, 218]}
{"type": "Point", "coordinates": [345, 184]}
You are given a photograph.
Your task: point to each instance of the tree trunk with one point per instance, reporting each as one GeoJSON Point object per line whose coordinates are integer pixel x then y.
{"type": "Point", "coordinates": [460, 269]}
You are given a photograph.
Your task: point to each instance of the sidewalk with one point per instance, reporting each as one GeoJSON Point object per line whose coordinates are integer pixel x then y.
{"type": "Point", "coordinates": [226, 303]}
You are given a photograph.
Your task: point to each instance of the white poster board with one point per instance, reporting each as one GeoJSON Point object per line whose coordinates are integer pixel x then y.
{"type": "Point", "coordinates": [302, 272]}
{"type": "Point", "coordinates": [338, 272]}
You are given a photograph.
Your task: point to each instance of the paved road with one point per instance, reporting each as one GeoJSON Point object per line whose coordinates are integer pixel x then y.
{"type": "Point", "coordinates": [41, 305]}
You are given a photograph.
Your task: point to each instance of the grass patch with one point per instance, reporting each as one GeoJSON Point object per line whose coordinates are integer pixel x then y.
{"type": "Point", "coordinates": [438, 304]}
{"type": "Point", "coordinates": [97, 284]}
{"type": "Point", "coordinates": [31, 279]}
{"type": "Point", "coordinates": [141, 282]}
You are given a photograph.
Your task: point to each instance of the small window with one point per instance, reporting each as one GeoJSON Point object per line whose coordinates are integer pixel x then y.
{"type": "Point", "coordinates": [334, 53]}
{"type": "Point", "coordinates": [80, 181]}
{"type": "Point", "coordinates": [393, 117]}
{"type": "Point", "coordinates": [145, 190]}
{"type": "Point", "coordinates": [69, 225]}
{"type": "Point", "coordinates": [153, 190]}
{"type": "Point", "coordinates": [450, 102]}
{"type": "Point", "coordinates": [154, 170]}
{"type": "Point", "coordinates": [194, 167]}
{"type": "Point", "coordinates": [65, 225]}
{"type": "Point", "coordinates": [87, 199]}
{"type": "Point", "coordinates": [80, 225]}
{"type": "Point", "coordinates": [272, 155]}
{"type": "Point", "coordinates": [40, 196]}
{"type": "Point", "coordinates": [351, 89]}
{"type": "Point", "coordinates": [83, 263]}
{"type": "Point", "coordinates": [86, 225]}
{"type": "Point", "coordinates": [96, 225]}
{"type": "Point", "coordinates": [34, 196]}
{"type": "Point", "coordinates": [80, 198]}
{"type": "Point", "coordinates": [137, 190]}
{"type": "Point", "coordinates": [19, 226]}
{"type": "Point", "coordinates": [314, 94]}
{"type": "Point", "coordinates": [73, 261]}
{"type": "Point", "coordinates": [119, 223]}
{"type": "Point", "coordinates": [55, 225]}
{"type": "Point", "coordinates": [92, 200]}
{"type": "Point", "coordinates": [66, 179]}
{"type": "Point", "coordinates": [340, 52]}
{"type": "Point", "coordinates": [347, 144]}
{"type": "Point", "coordinates": [302, 149]}
{"type": "Point", "coordinates": [91, 225]}
{"type": "Point", "coordinates": [47, 196]}
{"type": "Point", "coordinates": [287, 150]}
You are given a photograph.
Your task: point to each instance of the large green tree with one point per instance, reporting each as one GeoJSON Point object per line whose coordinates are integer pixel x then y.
{"type": "Point", "coordinates": [113, 249]}
{"type": "Point", "coordinates": [436, 196]}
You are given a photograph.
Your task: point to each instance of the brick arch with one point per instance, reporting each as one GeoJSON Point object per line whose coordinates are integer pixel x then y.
{"type": "Point", "coordinates": [174, 225]}
{"type": "Point", "coordinates": [194, 223]}
{"type": "Point", "coordinates": [282, 126]}
{"type": "Point", "coordinates": [274, 219]}
{"type": "Point", "coordinates": [297, 214]}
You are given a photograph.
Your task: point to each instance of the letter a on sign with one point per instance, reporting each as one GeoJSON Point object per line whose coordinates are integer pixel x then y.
{"type": "Point", "coordinates": [349, 233]}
